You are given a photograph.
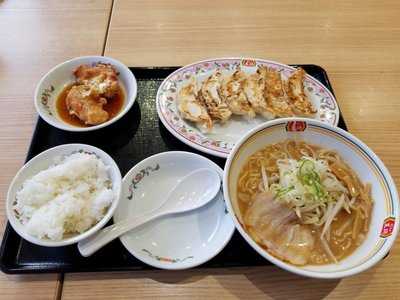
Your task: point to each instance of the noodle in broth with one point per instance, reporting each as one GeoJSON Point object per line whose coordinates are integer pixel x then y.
{"type": "Point", "coordinates": [321, 193]}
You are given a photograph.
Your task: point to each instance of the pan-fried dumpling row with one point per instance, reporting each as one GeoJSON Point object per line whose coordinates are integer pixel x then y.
{"type": "Point", "coordinates": [265, 93]}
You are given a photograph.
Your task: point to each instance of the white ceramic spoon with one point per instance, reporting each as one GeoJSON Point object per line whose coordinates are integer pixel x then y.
{"type": "Point", "coordinates": [193, 191]}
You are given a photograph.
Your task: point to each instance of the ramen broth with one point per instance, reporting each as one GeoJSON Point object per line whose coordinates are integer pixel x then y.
{"type": "Point", "coordinates": [349, 226]}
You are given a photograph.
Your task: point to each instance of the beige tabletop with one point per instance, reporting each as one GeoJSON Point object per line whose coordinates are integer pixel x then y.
{"type": "Point", "coordinates": [357, 42]}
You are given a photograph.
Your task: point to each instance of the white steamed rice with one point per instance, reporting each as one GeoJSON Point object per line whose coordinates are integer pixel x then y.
{"type": "Point", "coordinates": [67, 198]}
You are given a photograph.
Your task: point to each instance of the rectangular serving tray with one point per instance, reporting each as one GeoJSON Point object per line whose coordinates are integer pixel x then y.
{"type": "Point", "coordinates": [134, 137]}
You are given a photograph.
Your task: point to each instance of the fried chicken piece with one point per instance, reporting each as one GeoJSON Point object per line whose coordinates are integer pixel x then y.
{"type": "Point", "coordinates": [233, 93]}
{"type": "Point", "coordinates": [254, 89]}
{"type": "Point", "coordinates": [192, 109]}
{"type": "Point", "coordinates": [210, 95]}
{"type": "Point", "coordinates": [299, 101]}
{"type": "Point", "coordinates": [88, 107]}
{"type": "Point", "coordinates": [275, 95]}
{"type": "Point", "coordinates": [101, 78]}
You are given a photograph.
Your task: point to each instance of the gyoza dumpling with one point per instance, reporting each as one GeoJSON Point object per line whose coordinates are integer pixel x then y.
{"type": "Point", "coordinates": [234, 95]}
{"type": "Point", "coordinates": [277, 100]}
{"type": "Point", "coordinates": [210, 95]}
{"type": "Point", "coordinates": [301, 105]}
{"type": "Point", "coordinates": [192, 109]}
{"type": "Point", "coordinates": [254, 87]}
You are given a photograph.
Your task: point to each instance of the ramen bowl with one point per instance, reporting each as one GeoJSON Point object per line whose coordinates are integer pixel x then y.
{"type": "Point", "coordinates": [384, 221]}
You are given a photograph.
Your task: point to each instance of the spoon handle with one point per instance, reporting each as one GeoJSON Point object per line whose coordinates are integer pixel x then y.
{"type": "Point", "coordinates": [96, 241]}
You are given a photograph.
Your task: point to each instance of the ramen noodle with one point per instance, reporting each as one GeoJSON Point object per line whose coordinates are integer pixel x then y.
{"type": "Point", "coordinates": [303, 203]}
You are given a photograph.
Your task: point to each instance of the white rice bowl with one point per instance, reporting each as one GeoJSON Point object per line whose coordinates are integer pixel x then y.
{"type": "Point", "coordinates": [67, 198]}
{"type": "Point", "coordinates": [64, 195]}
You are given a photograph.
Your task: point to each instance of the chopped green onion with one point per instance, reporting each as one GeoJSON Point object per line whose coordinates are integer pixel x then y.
{"type": "Point", "coordinates": [311, 181]}
{"type": "Point", "coordinates": [283, 191]}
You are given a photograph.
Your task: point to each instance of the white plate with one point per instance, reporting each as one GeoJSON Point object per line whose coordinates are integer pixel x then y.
{"type": "Point", "coordinates": [175, 242]}
{"type": "Point", "coordinates": [222, 138]}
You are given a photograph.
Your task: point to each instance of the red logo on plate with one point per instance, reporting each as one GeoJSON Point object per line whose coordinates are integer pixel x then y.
{"type": "Point", "coordinates": [248, 62]}
{"type": "Point", "coordinates": [388, 227]}
{"type": "Point", "coordinates": [296, 126]}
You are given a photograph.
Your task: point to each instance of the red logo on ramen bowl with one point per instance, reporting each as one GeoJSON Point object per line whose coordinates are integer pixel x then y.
{"type": "Point", "coordinates": [248, 62]}
{"type": "Point", "coordinates": [387, 227]}
{"type": "Point", "coordinates": [296, 126]}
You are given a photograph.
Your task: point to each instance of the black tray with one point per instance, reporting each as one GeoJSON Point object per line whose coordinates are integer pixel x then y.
{"type": "Point", "coordinates": [134, 137]}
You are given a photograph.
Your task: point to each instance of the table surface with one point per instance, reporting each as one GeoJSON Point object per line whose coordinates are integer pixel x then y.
{"type": "Point", "coordinates": [357, 42]}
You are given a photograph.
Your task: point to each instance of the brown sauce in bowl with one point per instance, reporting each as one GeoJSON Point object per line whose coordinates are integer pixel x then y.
{"type": "Point", "coordinates": [113, 106]}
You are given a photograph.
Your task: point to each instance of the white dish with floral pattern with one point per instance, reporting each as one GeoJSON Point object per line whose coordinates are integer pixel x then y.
{"type": "Point", "coordinates": [178, 241]}
{"type": "Point", "coordinates": [223, 137]}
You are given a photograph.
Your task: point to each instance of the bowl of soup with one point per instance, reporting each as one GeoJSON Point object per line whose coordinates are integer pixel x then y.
{"type": "Point", "coordinates": [311, 198]}
{"type": "Point", "coordinates": [85, 93]}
